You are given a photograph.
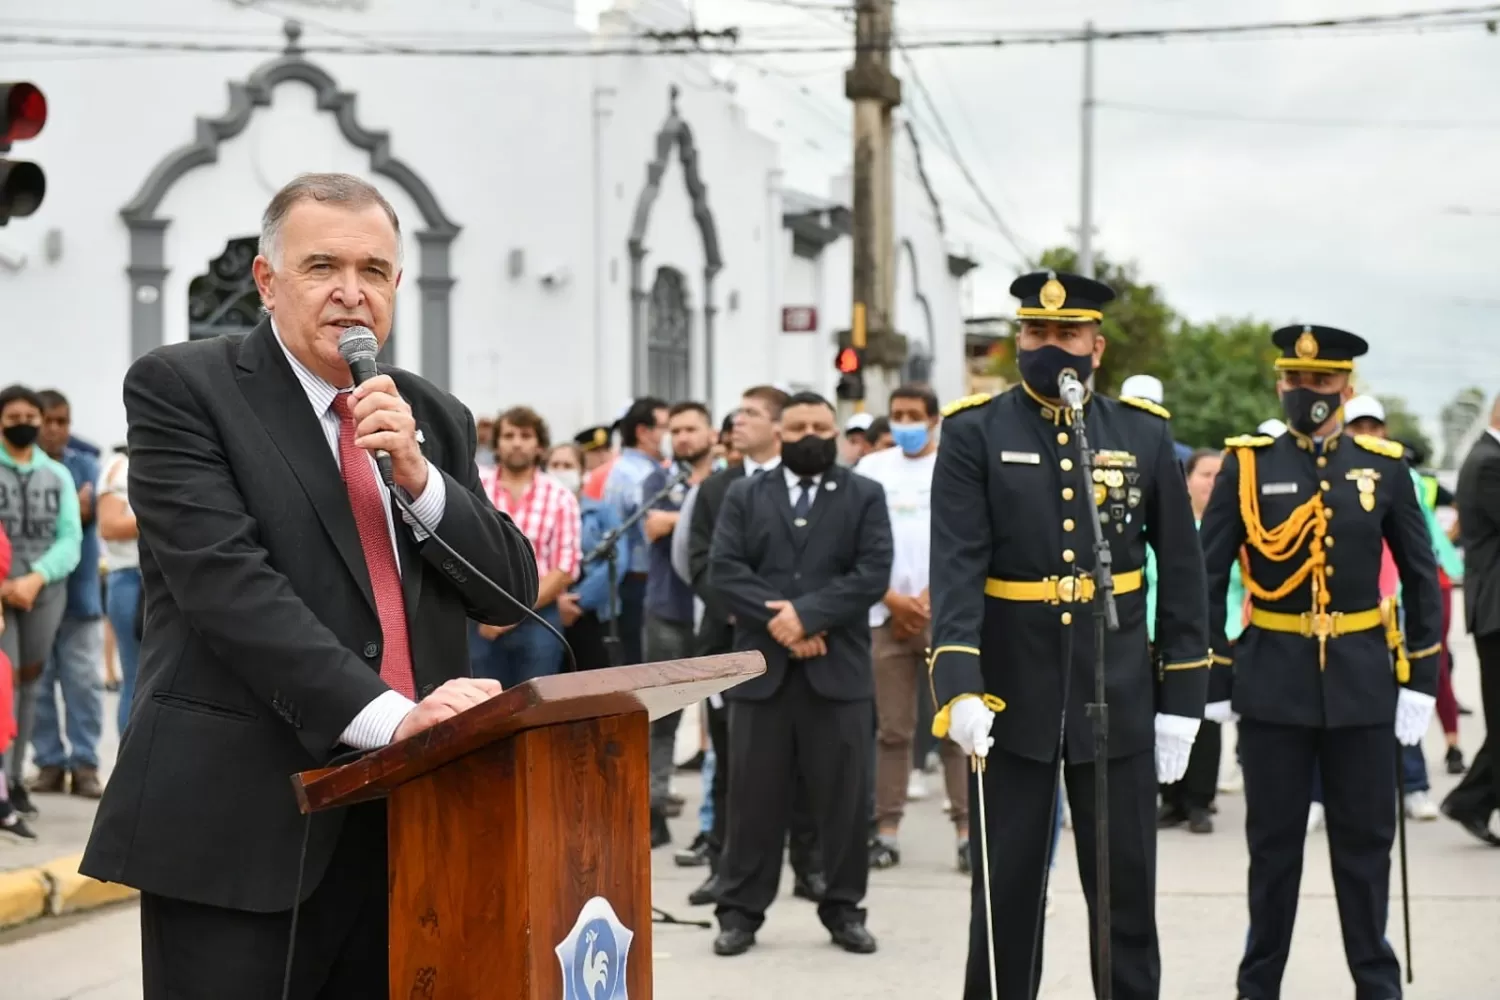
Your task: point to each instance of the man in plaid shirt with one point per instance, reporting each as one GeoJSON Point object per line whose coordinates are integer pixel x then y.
{"type": "Point", "coordinates": [547, 513]}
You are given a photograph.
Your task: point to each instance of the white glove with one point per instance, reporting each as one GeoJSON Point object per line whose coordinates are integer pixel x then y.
{"type": "Point", "coordinates": [1174, 745]}
{"type": "Point", "coordinates": [969, 723]}
{"type": "Point", "coordinates": [1413, 716]}
{"type": "Point", "coordinates": [1217, 711]}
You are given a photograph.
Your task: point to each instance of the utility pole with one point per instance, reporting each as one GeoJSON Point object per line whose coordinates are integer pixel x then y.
{"type": "Point", "coordinates": [874, 91]}
{"type": "Point", "coordinates": [1086, 147]}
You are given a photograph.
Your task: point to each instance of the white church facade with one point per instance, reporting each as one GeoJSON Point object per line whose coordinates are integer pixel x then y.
{"type": "Point", "coordinates": [576, 232]}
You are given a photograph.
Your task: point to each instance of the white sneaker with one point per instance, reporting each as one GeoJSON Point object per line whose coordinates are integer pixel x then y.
{"type": "Point", "coordinates": [916, 788]}
{"type": "Point", "coordinates": [1419, 806]}
{"type": "Point", "coordinates": [1232, 783]}
{"type": "Point", "coordinates": [1315, 817]}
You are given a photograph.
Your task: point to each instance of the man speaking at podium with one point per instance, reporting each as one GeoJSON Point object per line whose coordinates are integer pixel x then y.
{"type": "Point", "coordinates": [291, 614]}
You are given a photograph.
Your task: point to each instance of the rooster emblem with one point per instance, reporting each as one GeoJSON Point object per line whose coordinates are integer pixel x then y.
{"type": "Point", "coordinates": [594, 954]}
{"type": "Point", "coordinates": [595, 968]}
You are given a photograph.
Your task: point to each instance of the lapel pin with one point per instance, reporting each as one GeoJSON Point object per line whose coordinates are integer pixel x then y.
{"type": "Point", "coordinates": [831, 486]}
{"type": "Point", "coordinates": [801, 522]}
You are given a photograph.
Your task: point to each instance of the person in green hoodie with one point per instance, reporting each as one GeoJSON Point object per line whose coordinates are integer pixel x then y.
{"type": "Point", "coordinates": [39, 513]}
{"type": "Point", "coordinates": [1191, 800]}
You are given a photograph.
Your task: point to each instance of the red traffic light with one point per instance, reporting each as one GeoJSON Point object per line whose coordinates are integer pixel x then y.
{"type": "Point", "coordinates": [23, 111]}
{"type": "Point", "coordinates": [847, 361]}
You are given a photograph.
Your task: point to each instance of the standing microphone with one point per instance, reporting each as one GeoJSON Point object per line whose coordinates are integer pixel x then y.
{"type": "Point", "coordinates": [1072, 389]}
{"type": "Point", "coordinates": [358, 347]}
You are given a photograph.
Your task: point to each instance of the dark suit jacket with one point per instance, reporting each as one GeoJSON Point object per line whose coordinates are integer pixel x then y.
{"type": "Point", "coordinates": [1478, 503]}
{"type": "Point", "coordinates": [832, 570]}
{"type": "Point", "coordinates": [714, 632]}
{"type": "Point", "coordinates": [261, 640]}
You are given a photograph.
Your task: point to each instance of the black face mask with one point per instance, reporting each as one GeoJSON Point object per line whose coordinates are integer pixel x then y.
{"type": "Point", "coordinates": [1307, 410]}
{"type": "Point", "coordinates": [809, 455]}
{"type": "Point", "coordinates": [22, 435]}
{"type": "Point", "coordinates": [1041, 367]}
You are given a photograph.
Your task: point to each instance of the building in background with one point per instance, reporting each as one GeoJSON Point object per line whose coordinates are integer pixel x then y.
{"type": "Point", "coordinates": [576, 231]}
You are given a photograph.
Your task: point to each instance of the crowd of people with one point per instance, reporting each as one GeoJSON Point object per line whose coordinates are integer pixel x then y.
{"type": "Point", "coordinates": [71, 593]}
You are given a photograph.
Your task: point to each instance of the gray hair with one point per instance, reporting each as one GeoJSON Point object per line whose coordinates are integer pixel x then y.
{"type": "Point", "coordinates": [338, 189]}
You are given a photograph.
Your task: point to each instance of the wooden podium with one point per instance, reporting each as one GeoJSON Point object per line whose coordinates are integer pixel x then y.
{"type": "Point", "coordinates": [519, 834]}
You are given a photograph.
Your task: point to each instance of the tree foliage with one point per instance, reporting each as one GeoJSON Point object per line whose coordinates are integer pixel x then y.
{"type": "Point", "coordinates": [1404, 426]}
{"type": "Point", "coordinates": [1219, 379]}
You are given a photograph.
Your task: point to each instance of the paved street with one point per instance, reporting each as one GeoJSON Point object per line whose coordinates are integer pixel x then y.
{"type": "Point", "coordinates": [919, 913]}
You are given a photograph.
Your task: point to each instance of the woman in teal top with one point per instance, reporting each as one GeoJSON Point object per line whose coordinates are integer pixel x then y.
{"type": "Point", "coordinates": [1191, 800]}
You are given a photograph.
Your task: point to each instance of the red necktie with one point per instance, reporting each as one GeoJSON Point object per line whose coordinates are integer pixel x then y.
{"type": "Point", "coordinates": [368, 505]}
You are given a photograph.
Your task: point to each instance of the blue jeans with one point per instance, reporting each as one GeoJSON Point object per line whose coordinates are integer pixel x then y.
{"type": "Point", "coordinates": [122, 594]}
{"type": "Point", "coordinates": [706, 810]}
{"type": "Point", "coordinates": [74, 667]}
{"type": "Point", "coordinates": [526, 651]}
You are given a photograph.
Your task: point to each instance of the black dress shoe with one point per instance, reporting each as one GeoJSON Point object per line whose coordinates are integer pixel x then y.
{"type": "Point", "coordinates": [812, 887]}
{"type": "Point", "coordinates": [706, 893]}
{"type": "Point", "coordinates": [699, 853]}
{"type": "Point", "coordinates": [1169, 816]}
{"type": "Point", "coordinates": [1455, 760]}
{"type": "Point", "coordinates": [20, 800]}
{"type": "Point", "coordinates": [733, 941]}
{"type": "Point", "coordinates": [1478, 826]}
{"type": "Point", "coordinates": [854, 938]}
{"type": "Point", "coordinates": [660, 835]}
{"type": "Point", "coordinates": [1199, 821]}
{"type": "Point", "coordinates": [965, 862]}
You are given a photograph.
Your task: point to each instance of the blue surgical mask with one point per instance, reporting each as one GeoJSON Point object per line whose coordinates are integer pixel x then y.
{"type": "Point", "coordinates": [910, 438]}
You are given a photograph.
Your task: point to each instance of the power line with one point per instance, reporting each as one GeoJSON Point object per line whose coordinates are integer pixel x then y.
{"type": "Point", "coordinates": [1482, 16]}
{"type": "Point", "coordinates": [957, 156]}
{"type": "Point", "coordinates": [1233, 116]}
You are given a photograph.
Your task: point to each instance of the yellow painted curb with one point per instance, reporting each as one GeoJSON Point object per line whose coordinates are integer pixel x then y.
{"type": "Point", "coordinates": [23, 896]}
{"type": "Point", "coordinates": [72, 892]}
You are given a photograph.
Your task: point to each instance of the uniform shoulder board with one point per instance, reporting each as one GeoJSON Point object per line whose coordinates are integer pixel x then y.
{"type": "Point", "coordinates": [1380, 446]}
{"type": "Point", "coordinates": [1147, 405]}
{"type": "Point", "coordinates": [1249, 441]}
{"type": "Point", "coordinates": [966, 403]}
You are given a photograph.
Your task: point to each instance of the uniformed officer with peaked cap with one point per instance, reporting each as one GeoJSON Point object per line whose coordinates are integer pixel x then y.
{"type": "Point", "coordinates": [1012, 659]}
{"type": "Point", "coordinates": [1321, 676]}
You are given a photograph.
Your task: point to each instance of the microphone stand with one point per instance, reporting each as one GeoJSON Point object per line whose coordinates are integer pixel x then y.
{"type": "Point", "coordinates": [1106, 617]}
{"type": "Point", "coordinates": [608, 548]}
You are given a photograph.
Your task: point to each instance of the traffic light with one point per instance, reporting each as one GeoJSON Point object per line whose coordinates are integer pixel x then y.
{"type": "Point", "coordinates": [850, 362]}
{"type": "Point", "coordinates": [23, 112]}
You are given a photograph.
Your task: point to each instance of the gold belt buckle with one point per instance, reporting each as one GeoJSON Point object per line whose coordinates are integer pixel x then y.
{"type": "Point", "coordinates": [1320, 625]}
{"type": "Point", "coordinates": [1067, 589]}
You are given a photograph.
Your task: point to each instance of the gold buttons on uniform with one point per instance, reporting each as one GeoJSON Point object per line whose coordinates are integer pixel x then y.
{"type": "Point", "coordinates": [1328, 541]}
{"type": "Point", "coordinates": [1067, 524]}
{"type": "Point", "coordinates": [1067, 617]}
{"type": "Point", "coordinates": [1322, 460]}
{"type": "Point", "coordinates": [1327, 570]}
{"type": "Point", "coordinates": [1067, 555]}
{"type": "Point", "coordinates": [1067, 492]}
{"type": "Point", "coordinates": [1066, 464]}
{"type": "Point", "coordinates": [1062, 437]}
{"type": "Point", "coordinates": [1324, 486]}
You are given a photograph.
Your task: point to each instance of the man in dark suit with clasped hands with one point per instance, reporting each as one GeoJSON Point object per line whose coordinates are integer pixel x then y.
{"type": "Point", "coordinates": [292, 613]}
{"type": "Point", "coordinates": [1474, 803]}
{"type": "Point", "coordinates": [799, 554]}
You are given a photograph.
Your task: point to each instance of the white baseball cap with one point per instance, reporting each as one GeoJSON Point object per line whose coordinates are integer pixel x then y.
{"type": "Point", "coordinates": [858, 422]}
{"type": "Point", "coordinates": [1143, 387]}
{"type": "Point", "coordinates": [1273, 427]}
{"type": "Point", "coordinates": [1362, 407]}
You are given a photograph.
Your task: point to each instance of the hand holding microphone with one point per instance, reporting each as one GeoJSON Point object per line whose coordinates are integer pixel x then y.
{"type": "Point", "coordinates": [383, 422]}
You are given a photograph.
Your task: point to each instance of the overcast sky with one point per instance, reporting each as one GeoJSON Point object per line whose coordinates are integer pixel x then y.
{"type": "Point", "coordinates": [1350, 225]}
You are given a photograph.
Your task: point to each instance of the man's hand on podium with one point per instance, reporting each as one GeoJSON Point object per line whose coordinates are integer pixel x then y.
{"type": "Point", "coordinates": [447, 701]}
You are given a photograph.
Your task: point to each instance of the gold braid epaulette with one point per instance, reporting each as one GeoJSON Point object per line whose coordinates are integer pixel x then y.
{"type": "Point", "coordinates": [967, 403]}
{"type": "Point", "coordinates": [1155, 409]}
{"type": "Point", "coordinates": [1308, 523]}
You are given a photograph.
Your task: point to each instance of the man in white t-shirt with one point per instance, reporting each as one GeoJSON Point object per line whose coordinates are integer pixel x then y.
{"type": "Point", "coordinates": [901, 623]}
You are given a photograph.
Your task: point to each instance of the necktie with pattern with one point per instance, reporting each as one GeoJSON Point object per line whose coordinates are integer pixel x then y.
{"type": "Point", "coordinates": [368, 504]}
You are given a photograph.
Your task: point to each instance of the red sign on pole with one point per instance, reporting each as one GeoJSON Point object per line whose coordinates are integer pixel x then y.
{"type": "Point", "coordinates": [799, 319]}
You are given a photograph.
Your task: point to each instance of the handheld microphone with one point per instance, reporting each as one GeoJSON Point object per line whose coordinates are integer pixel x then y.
{"type": "Point", "coordinates": [358, 347]}
{"type": "Point", "coordinates": [1072, 389]}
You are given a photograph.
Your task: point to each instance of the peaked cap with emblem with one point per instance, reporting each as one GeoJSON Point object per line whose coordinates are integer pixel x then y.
{"type": "Point", "coordinates": [1060, 297]}
{"type": "Point", "coordinates": [592, 438]}
{"type": "Point", "coordinates": [1317, 348]}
